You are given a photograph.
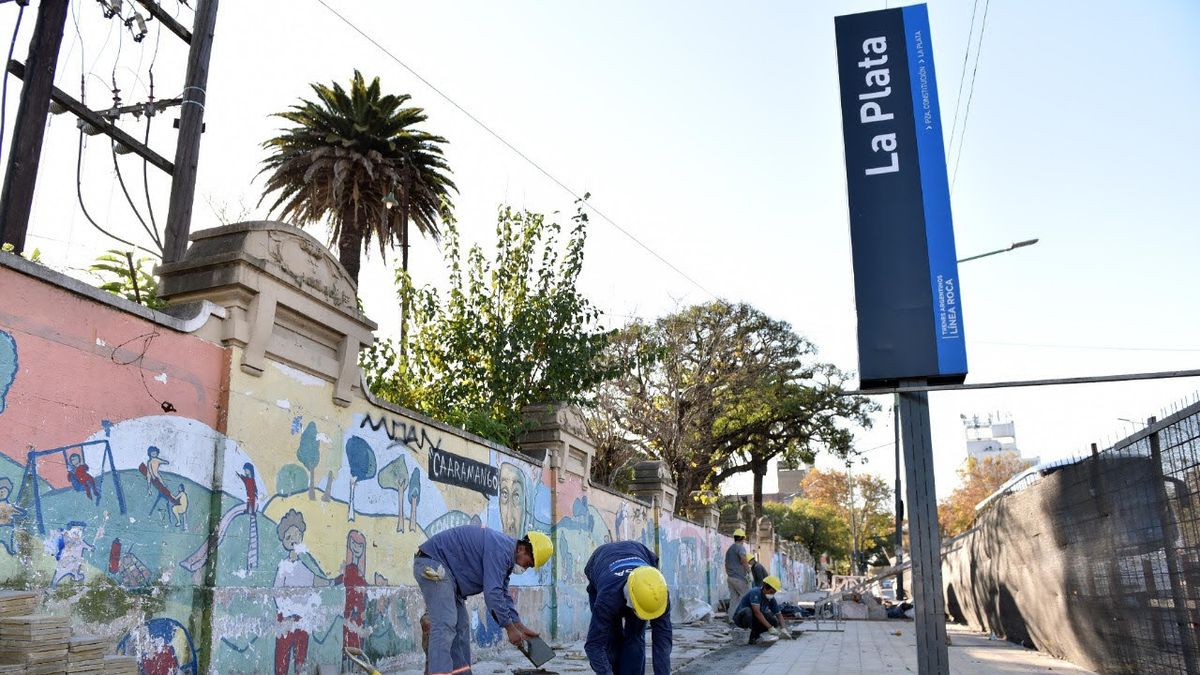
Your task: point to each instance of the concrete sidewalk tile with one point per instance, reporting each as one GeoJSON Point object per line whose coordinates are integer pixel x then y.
{"type": "Point", "coordinates": [874, 647]}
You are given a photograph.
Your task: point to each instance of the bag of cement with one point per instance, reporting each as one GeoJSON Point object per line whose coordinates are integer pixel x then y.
{"type": "Point", "coordinates": [689, 610]}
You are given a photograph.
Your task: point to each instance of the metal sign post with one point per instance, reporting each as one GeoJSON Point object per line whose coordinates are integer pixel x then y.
{"type": "Point", "coordinates": [926, 546]}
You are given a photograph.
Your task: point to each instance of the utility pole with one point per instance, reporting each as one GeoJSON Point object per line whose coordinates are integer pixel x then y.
{"type": "Point", "coordinates": [854, 570]}
{"type": "Point", "coordinates": [899, 499]}
{"type": "Point", "coordinates": [30, 129]}
{"type": "Point", "coordinates": [191, 125]}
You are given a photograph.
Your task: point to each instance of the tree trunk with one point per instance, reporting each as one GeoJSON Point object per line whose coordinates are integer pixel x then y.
{"type": "Point", "coordinates": [760, 470]}
{"type": "Point", "coordinates": [350, 251]}
{"type": "Point", "coordinates": [404, 298]}
{"type": "Point", "coordinates": [312, 484]}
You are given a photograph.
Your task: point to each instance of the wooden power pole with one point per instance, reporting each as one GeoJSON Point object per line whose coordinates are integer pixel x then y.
{"type": "Point", "coordinates": [30, 128]}
{"type": "Point", "coordinates": [38, 75]}
{"type": "Point", "coordinates": [191, 125]}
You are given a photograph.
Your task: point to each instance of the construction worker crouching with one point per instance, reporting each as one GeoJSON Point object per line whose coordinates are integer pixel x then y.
{"type": "Point", "coordinates": [759, 612]}
{"type": "Point", "coordinates": [464, 561]}
{"type": "Point", "coordinates": [625, 590]}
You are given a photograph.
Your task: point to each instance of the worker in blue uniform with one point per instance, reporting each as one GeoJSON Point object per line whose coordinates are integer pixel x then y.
{"type": "Point", "coordinates": [625, 590]}
{"type": "Point", "coordinates": [759, 611]}
{"type": "Point", "coordinates": [464, 561]}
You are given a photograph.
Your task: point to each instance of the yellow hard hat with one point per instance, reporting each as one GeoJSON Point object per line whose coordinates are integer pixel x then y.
{"type": "Point", "coordinates": [647, 592]}
{"type": "Point", "coordinates": [750, 557]}
{"type": "Point", "coordinates": [774, 582]}
{"type": "Point", "coordinates": [739, 532]}
{"type": "Point", "coordinates": [542, 547]}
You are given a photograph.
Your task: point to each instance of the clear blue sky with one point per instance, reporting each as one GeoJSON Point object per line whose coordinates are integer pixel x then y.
{"type": "Point", "coordinates": [711, 131]}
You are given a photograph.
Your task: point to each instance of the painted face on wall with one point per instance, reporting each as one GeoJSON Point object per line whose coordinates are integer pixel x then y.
{"type": "Point", "coordinates": [512, 500]}
{"type": "Point", "coordinates": [291, 537]}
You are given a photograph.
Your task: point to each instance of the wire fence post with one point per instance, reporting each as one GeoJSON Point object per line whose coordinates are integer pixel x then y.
{"type": "Point", "coordinates": [1170, 537]}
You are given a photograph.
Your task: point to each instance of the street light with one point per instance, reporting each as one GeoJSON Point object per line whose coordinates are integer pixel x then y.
{"type": "Point", "coordinates": [1015, 245]}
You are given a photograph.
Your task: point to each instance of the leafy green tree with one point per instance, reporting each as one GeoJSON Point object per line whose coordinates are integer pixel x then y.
{"type": "Point", "coordinates": [133, 279]}
{"type": "Point", "coordinates": [309, 454]}
{"type": "Point", "coordinates": [348, 152]}
{"type": "Point", "coordinates": [862, 501]}
{"type": "Point", "coordinates": [720, 388]}
{"type": "Point", "coordinates": [509, 332]}
{"type": "Point", "coordinates": [817, 526]}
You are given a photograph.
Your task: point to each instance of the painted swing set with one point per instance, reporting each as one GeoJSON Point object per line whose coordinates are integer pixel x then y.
{"type": "Point", "coordinates": [75, 473]}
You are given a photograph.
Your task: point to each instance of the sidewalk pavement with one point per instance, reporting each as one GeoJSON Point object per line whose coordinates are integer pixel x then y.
{"type": "Point", "coordinates": [872, 647]}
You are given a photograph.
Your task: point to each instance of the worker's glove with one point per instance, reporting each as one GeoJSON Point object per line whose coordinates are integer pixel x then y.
{"type": "Point", "coordinates": [782, 634]}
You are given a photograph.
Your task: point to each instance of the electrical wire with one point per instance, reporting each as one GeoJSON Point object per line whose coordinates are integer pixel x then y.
{"type": "Point", "coordinates": [149, 118]}
{"type": "Point", "coordinates": [129, 199]}
{"type": "Point", "coordinates": [79, 195]}
{"type": "Point", "coordinates": [146, 177]}
{"type": "Point", "coordinates": [1091, 347]}
{"type": "Point", "coordinates": [962, 77]}
{"type": "Point", "coordinates": [970, 96]}
{"type": "Point", "coordinates": [4, 95]}
{"type": "Point", "coordinates": [514, 149]}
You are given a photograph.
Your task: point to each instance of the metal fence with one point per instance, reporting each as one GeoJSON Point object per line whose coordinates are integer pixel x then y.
{"type": "Point", "coordinates": [1096, 561]}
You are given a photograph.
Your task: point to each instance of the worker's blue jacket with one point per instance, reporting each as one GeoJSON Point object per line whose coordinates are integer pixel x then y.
{"type": "Point", "coordinates": [480, 561]}
{"type": "Point", "coordinates": [606, 571]}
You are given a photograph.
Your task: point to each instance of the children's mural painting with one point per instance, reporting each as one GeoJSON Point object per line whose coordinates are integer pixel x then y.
{"type": "Point", "coordinates": [257, 526]}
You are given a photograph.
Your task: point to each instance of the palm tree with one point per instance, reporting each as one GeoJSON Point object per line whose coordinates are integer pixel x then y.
{"type": "Point", "coordinates": [351, 158]}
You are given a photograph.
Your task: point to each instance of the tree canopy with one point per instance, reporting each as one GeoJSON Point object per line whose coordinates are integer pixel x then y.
{"type": "Point", "coordinates": [720, 388]}
{"type": "Point", "coordinates": [509, 332]}
{"type": "Point", "coordinates": [345, 155]}
{"type": "Point", "coordinates": [980, 479]}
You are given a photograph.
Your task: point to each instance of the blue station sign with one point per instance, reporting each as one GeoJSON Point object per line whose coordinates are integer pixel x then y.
{"type": "Point", "coordinates": [909, 305]}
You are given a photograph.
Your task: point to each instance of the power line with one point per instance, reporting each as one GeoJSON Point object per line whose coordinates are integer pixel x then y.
{"type": "Point", "coordinates": [1091, 347]}
{"type": "Point", "coordinates": [79, 195]}
{"type": "Point", "coordinates": [513, 148]}
{"type": "Point", "coordinates": [970, 95]}
{"type": "Point", "coordinates": [962, 77]}
{"type": "Point", "coordinates": [4, 95]}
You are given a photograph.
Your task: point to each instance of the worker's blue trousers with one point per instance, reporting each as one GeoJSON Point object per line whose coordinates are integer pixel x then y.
{"type": "Point", "coordinates": [450, 630]}
{"type": "Point", "coordinates": [626, 643]}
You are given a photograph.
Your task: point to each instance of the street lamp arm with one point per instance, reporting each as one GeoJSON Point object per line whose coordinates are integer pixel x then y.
{"type": "Point", "coordinates": [1014, 245]}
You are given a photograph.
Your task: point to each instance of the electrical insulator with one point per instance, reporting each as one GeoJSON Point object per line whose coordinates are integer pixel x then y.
{"type": "Point", "coordinates": [139, 33]}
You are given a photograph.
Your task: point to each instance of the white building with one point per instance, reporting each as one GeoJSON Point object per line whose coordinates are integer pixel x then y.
{"type": "Point", "coordinates": [992, 435]}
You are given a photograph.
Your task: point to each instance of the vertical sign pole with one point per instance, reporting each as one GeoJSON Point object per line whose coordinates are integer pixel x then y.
{"type": "Point", "coordinates": [30, 127]}
{"type": "Point", "coordinates": [924, 538]}
{"type": "Point", "coordinates": [899, 499]}
{"type": "Point", "coordinates": [191, 124]}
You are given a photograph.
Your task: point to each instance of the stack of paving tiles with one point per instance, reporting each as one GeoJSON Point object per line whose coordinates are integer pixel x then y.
{"type": "Point", "coordinates": [85, 655]}
{"type": "Point", "coordinates": [14, 603]}
{"type": "Point", "coordinates": [43, 645]}
{"type": "Point", "coordinates": [36, 643]}
{"type": "Point", "coordinates": [121, 665]}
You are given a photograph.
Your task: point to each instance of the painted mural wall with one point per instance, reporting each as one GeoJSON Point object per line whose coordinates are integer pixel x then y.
{"type": "Point", "coordinates": [107, 439]}
{"type": "Point", "coordinates": [208, 520]}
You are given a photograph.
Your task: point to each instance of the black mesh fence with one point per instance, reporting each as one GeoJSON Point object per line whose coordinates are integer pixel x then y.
{"type": "Point", "coordinates": [1096, 561]}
